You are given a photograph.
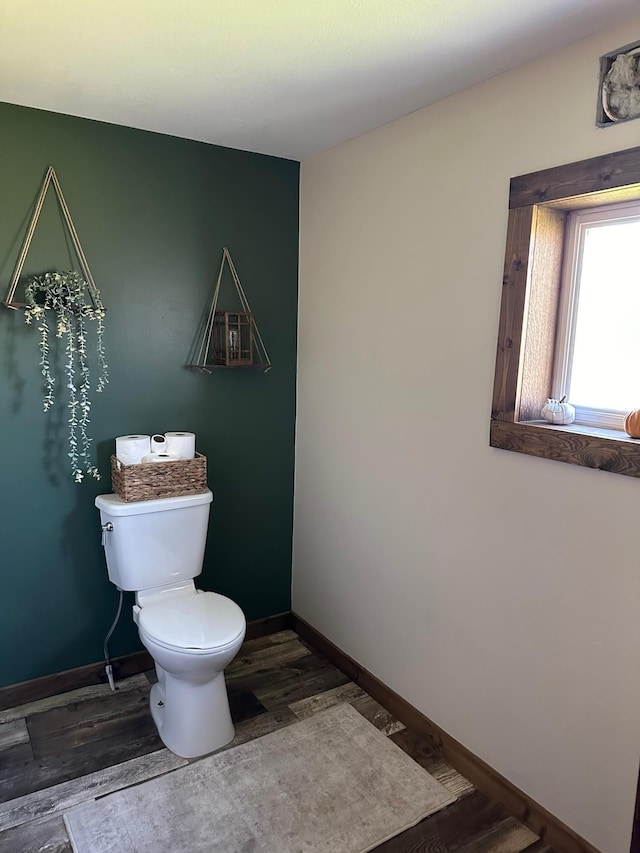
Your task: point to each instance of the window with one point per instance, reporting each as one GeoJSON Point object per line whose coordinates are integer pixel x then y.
{"type": "Point", "coordinates": [531, 309]}
{"type": "Point", "coordinates": [597, 362]}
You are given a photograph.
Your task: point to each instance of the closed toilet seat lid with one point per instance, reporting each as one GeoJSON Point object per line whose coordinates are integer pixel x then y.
{"type": "Point", "coordinates": [205, 620]}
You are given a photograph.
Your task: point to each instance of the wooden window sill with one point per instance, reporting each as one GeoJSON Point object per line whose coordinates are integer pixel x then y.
{"type": "Point", "coordinates": [591, 447]}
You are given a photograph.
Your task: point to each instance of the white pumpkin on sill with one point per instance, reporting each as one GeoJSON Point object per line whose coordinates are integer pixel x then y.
{"type": "Point", "coordinates": [558, 412]}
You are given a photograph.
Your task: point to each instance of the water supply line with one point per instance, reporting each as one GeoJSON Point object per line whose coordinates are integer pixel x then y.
{"type": "Point", "coordinates": [109, 668]}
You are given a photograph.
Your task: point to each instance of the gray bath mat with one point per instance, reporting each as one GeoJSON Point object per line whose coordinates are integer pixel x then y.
{"type": "Point", "coordinates": [329, 784]}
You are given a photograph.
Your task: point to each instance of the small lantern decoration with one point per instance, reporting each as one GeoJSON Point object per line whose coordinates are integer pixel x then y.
{"type": "Point", "coordinates": [233, 338]}
{"type": "Point", "coordinates": [229, 338]}
{"type": "Point", "coordinates": [558, 412]}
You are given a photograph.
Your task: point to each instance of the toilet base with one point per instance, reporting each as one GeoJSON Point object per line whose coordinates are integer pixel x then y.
{"type": "Point", "coordinates": [192, 719]}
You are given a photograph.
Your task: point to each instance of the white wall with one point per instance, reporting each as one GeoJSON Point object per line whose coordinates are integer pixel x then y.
{"type": "Point", "coordinates": [498, 593]}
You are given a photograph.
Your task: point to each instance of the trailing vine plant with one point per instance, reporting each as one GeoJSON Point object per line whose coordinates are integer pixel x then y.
{"type": "Point", "coordinates": [69, 297]}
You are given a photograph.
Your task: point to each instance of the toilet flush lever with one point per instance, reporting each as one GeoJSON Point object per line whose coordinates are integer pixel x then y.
{"type": "Point", "coordinates": [106, 528]}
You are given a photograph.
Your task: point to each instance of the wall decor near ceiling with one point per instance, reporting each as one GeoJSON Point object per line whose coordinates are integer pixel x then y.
{"type": "Point", "coordinates": [229, 338]}
{"type": "Point", "coordinates": [73, 299]}
{"type": "Point", "coordinates": [619, 86]}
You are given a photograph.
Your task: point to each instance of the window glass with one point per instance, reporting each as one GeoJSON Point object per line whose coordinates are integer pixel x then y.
{"type": "Point", "coordinates": [600, 332]}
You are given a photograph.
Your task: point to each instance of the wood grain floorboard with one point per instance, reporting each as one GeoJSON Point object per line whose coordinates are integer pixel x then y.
{"type": "Point", "coordinates": [96, 691]}
{"type": "Point", "coordinates": [19, 779]}
{"type": "Point", "coordinates": [377, 715]}
{"type": "Point", "coordinates": [80, 723]}
{"type": "Point", "coordinates": [298, 679]}
{"type": "Point", "coordinates": [282, 637]}
{"type": "Point", "coordinates": [305, 708]}
{"type": "Point", "coordinates": [426, 755]}
{"type": "Point", "coordinates": [270, 640]}
{"type": "Point", "coordinates": [267, 680]}
{"type": "Point", "coordinates": [68, 794]}
{"type": "Point", "coordinates": [46, 836]}
{"type": "Point", "coordinates": [12, 734]}
{"type": "Point", "coordinates": [13, 756]}
{"type": "Point", "coordinates": [507, 836]}
{"type": "Point", "coordinates": [310, 685]}
{"type": "Point", "coordinates": [539, 847]}
{"type": "Point", "coordinates": [448, 776]}
{"type": "Point", "coordinates": [448, 830]}
{"type": "Point", "coordinates": [272, 657]}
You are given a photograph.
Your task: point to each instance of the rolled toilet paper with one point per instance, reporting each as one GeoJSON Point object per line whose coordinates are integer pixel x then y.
{"type": "Point", "coordinates": [158, 443]}
{"type": "Point", "coordinates": [130, 449]}
{"type": "Point", "coordinates": [182, 443]}
{"type": "Point", "coordinates": [161, 457]}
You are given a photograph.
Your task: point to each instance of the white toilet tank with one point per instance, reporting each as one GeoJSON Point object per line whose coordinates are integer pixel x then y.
{"type": "Point", "coordinates": [154, 542]}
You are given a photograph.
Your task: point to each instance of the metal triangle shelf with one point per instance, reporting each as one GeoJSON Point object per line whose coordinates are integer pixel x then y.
{"type": "Point", "coordinates": [49, 179]}
{"type": "Point", "coordinates": [229, 339]}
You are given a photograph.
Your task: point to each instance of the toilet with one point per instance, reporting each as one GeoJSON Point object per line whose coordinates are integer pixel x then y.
{"type": "Point", "coordinates": [155, 548]}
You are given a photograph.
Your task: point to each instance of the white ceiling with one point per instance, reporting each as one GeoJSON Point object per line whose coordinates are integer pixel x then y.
{"type": "Point", "coordinates": [283, 77]}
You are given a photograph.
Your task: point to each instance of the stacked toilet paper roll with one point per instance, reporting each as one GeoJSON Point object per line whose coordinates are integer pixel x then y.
{"type": "Point", "coordinates": [158, 443]}
{"type": "Point", "coordinates": [161, 457]}
{"type": "Point", "coordinates": [182, 443]}
{"type": "Point", "coordinates": [131, 449]}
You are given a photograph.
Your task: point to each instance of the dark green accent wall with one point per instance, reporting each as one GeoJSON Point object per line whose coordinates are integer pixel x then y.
{"type": "Point", "coordinates": [153, 213]}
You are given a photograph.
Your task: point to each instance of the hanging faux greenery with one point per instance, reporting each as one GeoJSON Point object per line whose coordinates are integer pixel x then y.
{"type": "Point", "coordinates": [74, 302]}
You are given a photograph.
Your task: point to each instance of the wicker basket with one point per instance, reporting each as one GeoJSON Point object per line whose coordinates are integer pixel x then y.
{"type": "Point", "coordinates": [150, 480]}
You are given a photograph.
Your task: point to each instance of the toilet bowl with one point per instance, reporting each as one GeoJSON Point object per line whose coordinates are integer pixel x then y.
{"type": "Point", "coordinates": [192, 639]}
{"type": "Point", "coordinates": [156, 548]}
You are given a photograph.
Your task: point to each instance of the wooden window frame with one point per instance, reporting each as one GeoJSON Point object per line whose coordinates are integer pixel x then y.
{"type": "Point", "coordinates": [538, 206]}
{"type": "Point", "coordinates": [578, 225]}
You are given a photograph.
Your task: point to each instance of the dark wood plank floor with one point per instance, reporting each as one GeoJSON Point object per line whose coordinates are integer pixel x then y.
{"type": "Point", "coordinates": [61, 751]}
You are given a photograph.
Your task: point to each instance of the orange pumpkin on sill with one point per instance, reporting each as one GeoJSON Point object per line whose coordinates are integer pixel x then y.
{"type": "Point", "coordinates": [632, 424]}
